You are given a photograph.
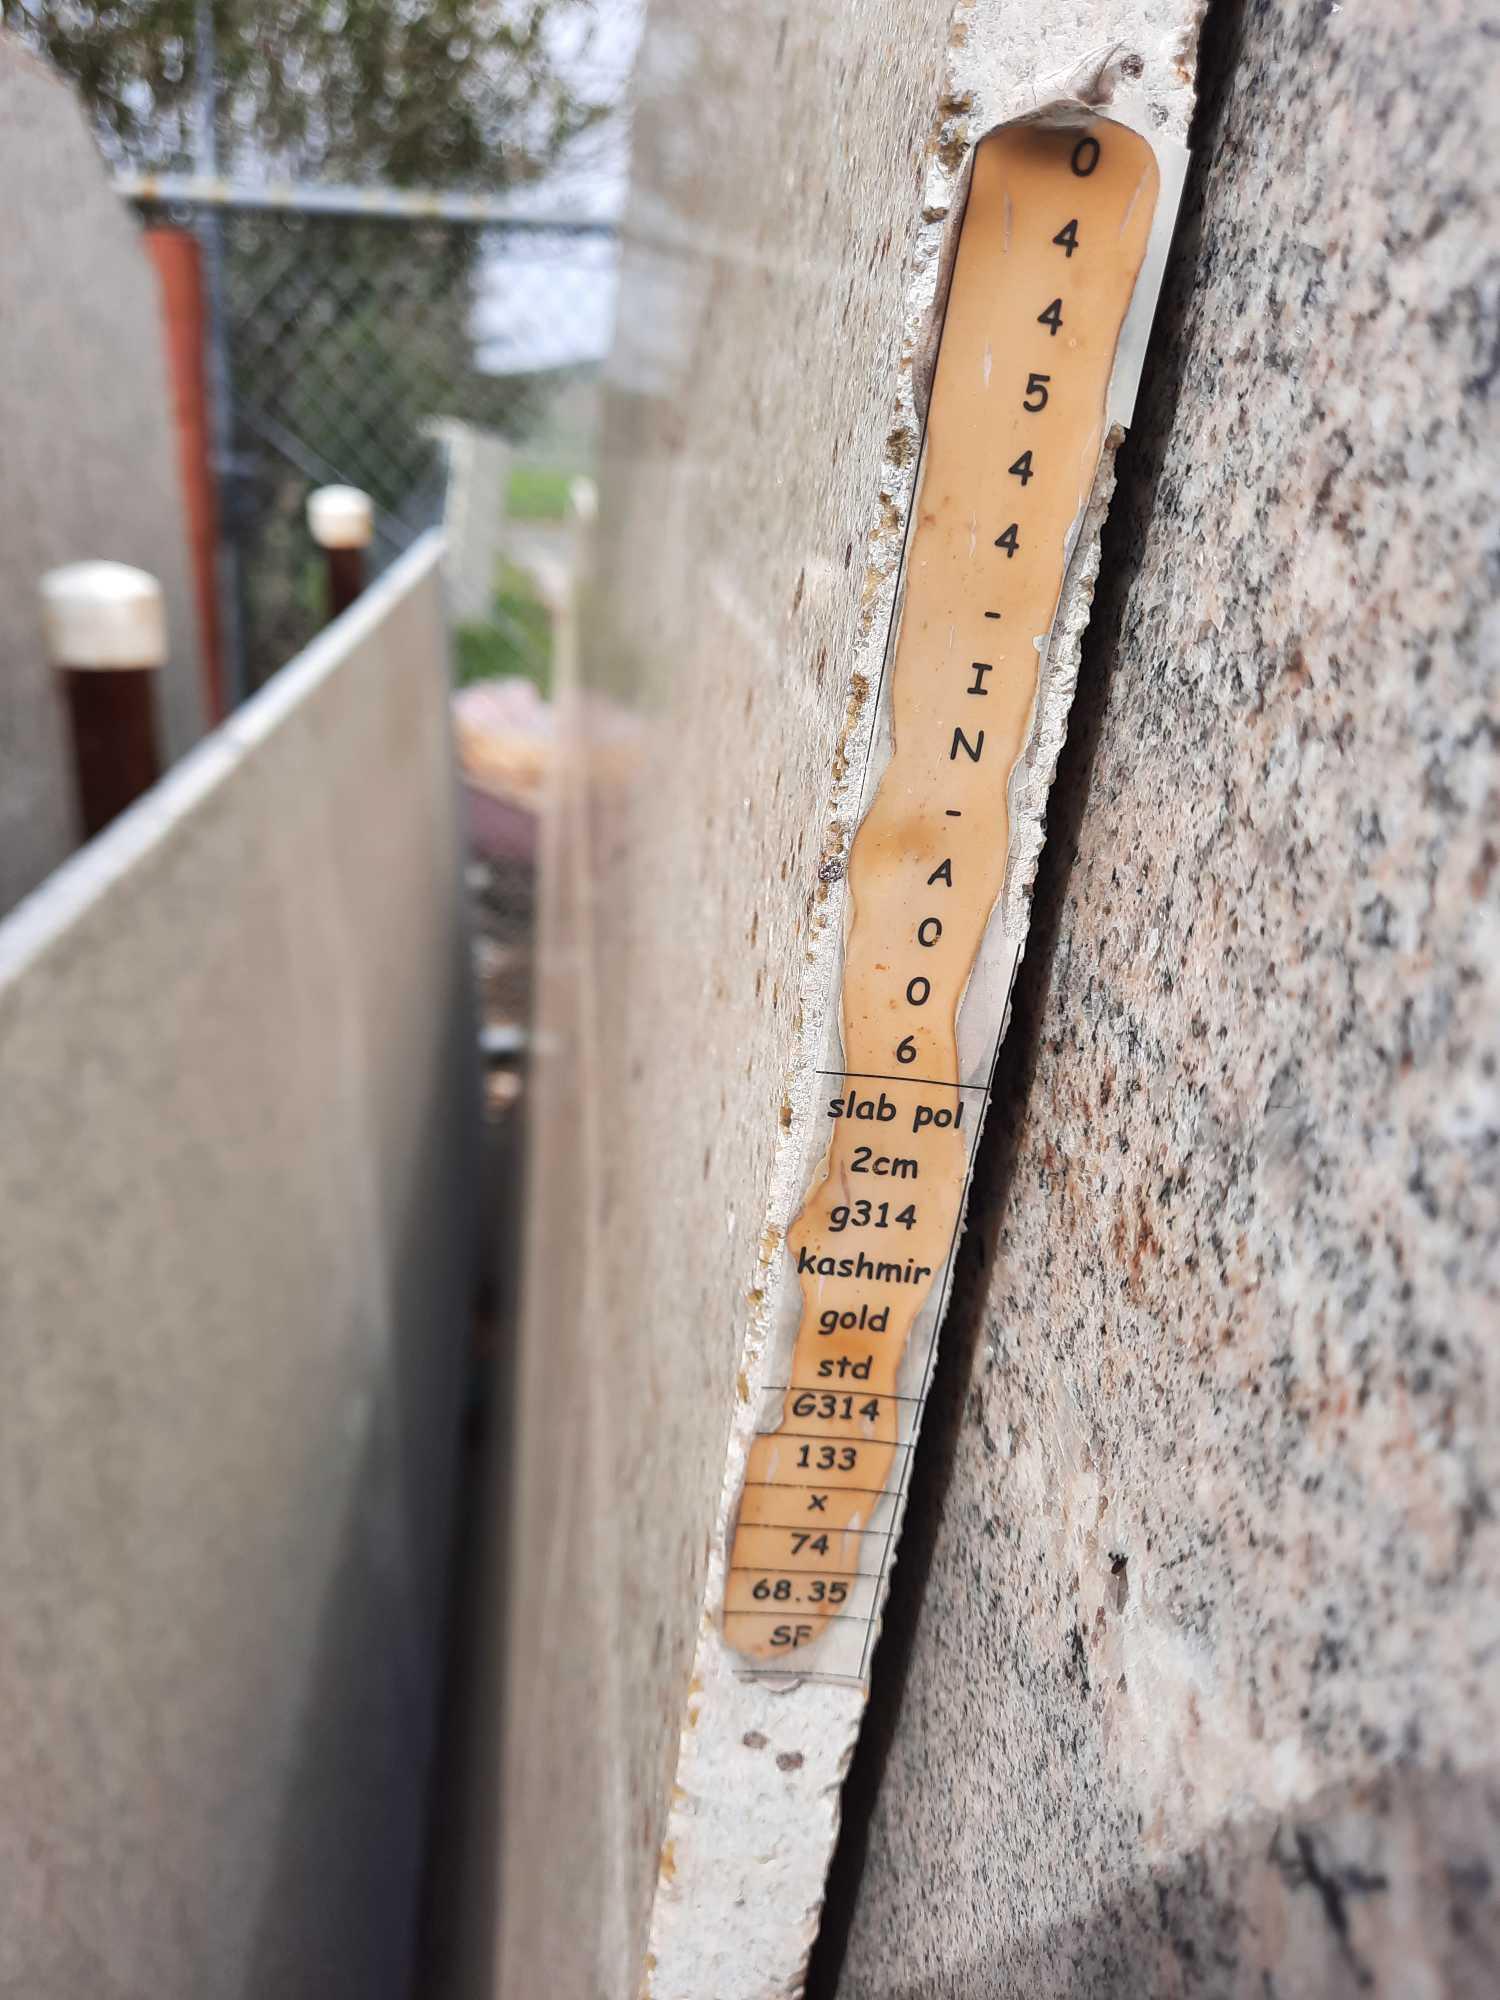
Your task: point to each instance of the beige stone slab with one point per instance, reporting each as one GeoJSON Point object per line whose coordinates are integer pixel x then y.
{"type": "Point", "coordinates": [796, 192]}
{"type": "Point", "coordinates": [237, 1082]}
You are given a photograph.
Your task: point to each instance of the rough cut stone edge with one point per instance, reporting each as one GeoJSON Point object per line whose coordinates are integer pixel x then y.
{"type": "Point", "coordinates": [755, 1805]}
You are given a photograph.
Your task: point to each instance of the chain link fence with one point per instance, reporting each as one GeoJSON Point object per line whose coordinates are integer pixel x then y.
{"type": "Point", "coordinates": [344, 344]}
{"type": "Point", "coordinates": [346, 339]}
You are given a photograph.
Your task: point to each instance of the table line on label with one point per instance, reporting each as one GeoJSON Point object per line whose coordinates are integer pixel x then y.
{"type": "Point", "coordinates": [801, 1527]}
{"type": "Point", "coordinates": [838, 1437]}
{"type": "Point", "coordinates": [829, 1617]}
{"type": "Point", "coordinates": [812, 1486]}
{"type": "Point", "coordinates": [880, 1076]}
{"type": "Point", "coordinates": [822, 1389]}
{"type": "Point", "coordinates": [782, 1569]}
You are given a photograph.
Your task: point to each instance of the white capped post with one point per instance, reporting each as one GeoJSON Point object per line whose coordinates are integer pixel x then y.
{"type": "Point", "coordinates": [104, 625]}
{"type": "Point", "coordinates": [341, 520]}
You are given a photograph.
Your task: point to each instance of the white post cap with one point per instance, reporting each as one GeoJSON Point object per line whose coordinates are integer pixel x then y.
{"type": "Point", "coordinates": [103, 614]}
{"type": "Point", "coordinates": [340, 517]}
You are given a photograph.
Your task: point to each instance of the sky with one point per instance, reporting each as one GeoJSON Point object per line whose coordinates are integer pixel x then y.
{"type": "Point", "coordinates": [549, 302]}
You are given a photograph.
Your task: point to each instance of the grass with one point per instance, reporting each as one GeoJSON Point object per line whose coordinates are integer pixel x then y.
{"type": "Point", "coordinates": [516, 640]}
{"type": "Point", "coordinates": [538, 493]}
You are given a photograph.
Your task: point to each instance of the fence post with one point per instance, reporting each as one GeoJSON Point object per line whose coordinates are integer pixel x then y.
{"type": "Point", "coordinates": [342, 520]}
{"type": "Point", "coordinates": [218, 363]}
{"type": "Point", "coordinates": [178, 257]}
{"type": "Point", "coordinates": [105, 629]}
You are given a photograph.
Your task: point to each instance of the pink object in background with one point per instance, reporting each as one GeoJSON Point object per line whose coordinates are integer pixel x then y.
{"type": "Point", "coordinates": [506, 733]}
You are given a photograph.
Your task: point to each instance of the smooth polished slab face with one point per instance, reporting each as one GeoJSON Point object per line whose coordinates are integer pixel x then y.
{"type": "Point", "coordinates": [1054, 234]}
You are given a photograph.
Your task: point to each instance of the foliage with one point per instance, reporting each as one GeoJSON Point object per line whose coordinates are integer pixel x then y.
{"type": "Point", "coordinates": [345, 335]}
{"type": "Point", "coordinates": [538, 493]}
{"type": "Point", "coordinates": [443, 93]}
{"type": "Point", "coordinates": [518, 640]}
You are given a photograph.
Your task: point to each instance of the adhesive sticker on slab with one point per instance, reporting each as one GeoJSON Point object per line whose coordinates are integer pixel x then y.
{"type": "Point", "coordinates": [1061, 222]}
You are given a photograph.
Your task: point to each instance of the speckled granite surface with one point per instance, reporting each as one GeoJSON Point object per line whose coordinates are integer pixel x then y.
{"type": "Point", "coordinates": [1200, 1694]}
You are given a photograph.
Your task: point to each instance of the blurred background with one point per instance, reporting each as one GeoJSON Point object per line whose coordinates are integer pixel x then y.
{"type": "Point", "coordinates": [400, 221]}
{"type": "Point", "coordinates": [386, 247]}
{"type": "Point", "coordinates": [254, 255]}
